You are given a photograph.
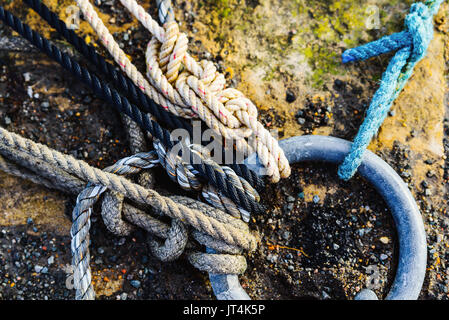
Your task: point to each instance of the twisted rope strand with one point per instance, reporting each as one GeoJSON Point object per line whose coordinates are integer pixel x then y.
{"type": "Point", "coordinates": [132, 191]}
{"type": "Point", "coordinates": [411, 46]}
{"type": "Point", "coordinates": [217, 177]}
{"type": "Point", "coordinates": [201, 91]}
{"type": "Point", "coordinates": [136, 95]}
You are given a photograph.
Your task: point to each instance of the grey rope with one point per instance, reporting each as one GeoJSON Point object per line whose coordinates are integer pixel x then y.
{"type": "Point", "coordinates": [165, 11]}
{"type": "Point", "coordinates": [211, 221]}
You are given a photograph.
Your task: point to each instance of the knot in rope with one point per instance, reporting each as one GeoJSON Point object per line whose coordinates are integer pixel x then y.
{"type": "Point", "coordinates": [201, 88]}
{"type": "Point", "coordinates": [410, 46]}
{"type": "Point", "coordinates": [420, 29]}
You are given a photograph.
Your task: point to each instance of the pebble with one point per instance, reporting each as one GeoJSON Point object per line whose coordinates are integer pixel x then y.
{"type": "Point", "coordinates": [336, 246]}
{"type": "Point", "coordinates": [27, 76]}
{"type": "Point", "coordinates": [325, 295]}
{"type": "Point", "coordinates": [383, 256]}
{"type": "Point", "coordinates": [100, 250]}
{"type": "Point", "coordinates": [291, 199]}
{"type": "Point", "coordinates": [38, 268]}
{"type": "Point", "coordinates": [29, 220]}
{"type": "Point", "coordinates": [316, 199]}
{"type": "Point", "coordinates": [286, 235]}
{"type": "Point", "coordinates": [124, 296]}
{"type": "Point", "coordinates": [272, 258]}
{"type": "Point", "coordinates": [135, 283]}
{"type": "Point", "coordinates": [384, 240]}
{"type": "Point", "coordinates": [290, 96]}
{"type": "Point", "coordinates": [7, 120]}
{"type": "Point", "coordinates": [301, 120]}
{"type": "Point", "coordinates": [51, 260]}
{"type": "Point", "coordinates": [45, 104]}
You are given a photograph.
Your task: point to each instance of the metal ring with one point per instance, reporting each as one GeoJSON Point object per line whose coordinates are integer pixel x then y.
{"type": "Point", "coordinates": [408, 221]}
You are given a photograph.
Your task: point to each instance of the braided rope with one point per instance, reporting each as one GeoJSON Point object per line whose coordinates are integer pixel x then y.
{"type": "Point", "coordinates": [200, 89]}
{"type": "Point", "coordinates": [411, 46]}
{"type": "Point", "coordinates": [176, 235]}
{"type": "Point", "coordinates": [165, 11]}
{"type": "Point", "coordinates": [135, 95]}
{"type": "Point", "coordinates": [213, 174]}
{"type": "Point", "coordinates": [176, 238]}
{"type": "Point", "coordinates": [132, 191]}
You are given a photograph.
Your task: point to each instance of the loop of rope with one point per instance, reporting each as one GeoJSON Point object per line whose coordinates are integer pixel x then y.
{"type": "Point", "coordinates": [234, 233]}
{"type": "Point", "coordinates": [199, 89]}
{"type": "Point", "coordinates": [136, 95]}
{"type": "Point", "coordinates": [411, 46]}
{"type": "Point", "coordinates": [217, 177]}
{"type": "Point", "coordinates": [176, 235]}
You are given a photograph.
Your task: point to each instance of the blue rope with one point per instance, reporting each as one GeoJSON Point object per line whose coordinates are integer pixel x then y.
{"type": "Point", "coordinates": [410, 46]}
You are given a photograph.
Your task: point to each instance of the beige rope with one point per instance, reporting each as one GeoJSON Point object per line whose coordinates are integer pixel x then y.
{"type": "Point", "coordinates": [200, 221]}
{"type": "Point", "coordinates": [190, 89]}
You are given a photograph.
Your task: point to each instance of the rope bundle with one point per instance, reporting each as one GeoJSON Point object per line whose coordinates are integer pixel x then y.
{"type": "Point", "coordinates": [410, 46]}
{"type": "Point", "coordinates": [212, 173]}
{"type": "Point", "coordinates": [213, 228]}
{"type": "Point", "coordinates": [196, 91]}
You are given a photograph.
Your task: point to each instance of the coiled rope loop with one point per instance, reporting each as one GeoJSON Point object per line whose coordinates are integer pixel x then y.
{"type": "Point", "coordinates": [196, 92]}
{"type": "Point", "coordinates": [411, 46]}
{"type": "Point", "coordinates": [219, 178]}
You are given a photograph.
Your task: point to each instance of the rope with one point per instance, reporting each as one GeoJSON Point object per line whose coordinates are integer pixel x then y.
{"type": "Point", "coordinates": [213, 174]}
{"type": "Point", "coordinates": [234, 233]}
{"type": "Point", "coordinates": [199, 90]}
{"type": "Point", "coordinates": [410, 46]}
{"type": "Point", "coordinates": [165, 11]}
{"type": "Point", "coordinates": [135, 95]}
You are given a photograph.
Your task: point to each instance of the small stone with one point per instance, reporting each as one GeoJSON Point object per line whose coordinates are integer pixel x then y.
{"type": "Point", "coordinates": [100, 250]}
{"type": "Point", "coordinates": [325, 296]}
{"type": "Point", "coordinates": [301, 121]}
{"type": "Point", "coordinates": [392, 113]}
{"type": "Point", "coordinates": [430, 173]}
{"type": "Point", "coordinates": [29, 220]}
{"type": "Point", "coordinates": [291, 199]}
{"type": "Point", "coordinates": [123, 296]}
{"type": "Point", "coordinates": [7, 120]}
{"type": "Point", "coordinates": [27, 76]}
{"type": "Point", "coordinates": [384, 240]}
{"type": "Point", "coordinates": [45, 104]}
{"type": "Point", "coordinates": [290, 267]}
{"type": "Point", "coordinates": [126, 37]}
{"type": "Point", "coordinates": [286, 235]}
{"type": "Point", "coordinates": [383, 257]}
{"type": "Point", "coordinates": [336, 246]}
{"type": "Point", "coordinates": [272, 258]}
{"type": "Point", "coordinates": [290, 96]}
{"type": "Point", "coordinates": [51, 260]}
{"type": "Point", "coordinates": [316, 199]}
{"type": "Point", "coordinates": [135, 283]}
{"type": "Point", "coordinates": [301, 195]}
{"type": "Point", "coordinates": [38, 268]}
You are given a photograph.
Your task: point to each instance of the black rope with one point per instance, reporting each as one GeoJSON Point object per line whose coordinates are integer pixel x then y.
{"type": "Point", "coordinates": [217, 178]}
{"type": "Point", "coordinates": [135, 95]}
